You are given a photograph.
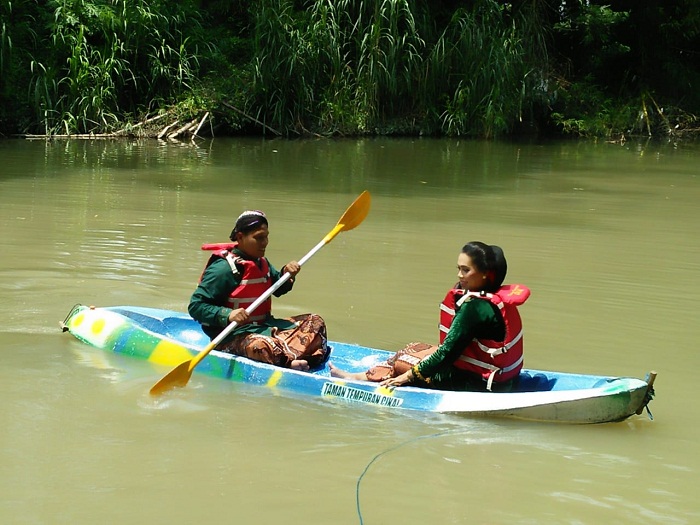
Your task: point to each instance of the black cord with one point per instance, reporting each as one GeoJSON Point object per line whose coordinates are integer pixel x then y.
{"type": "Point", "coordinates": [391, 449]}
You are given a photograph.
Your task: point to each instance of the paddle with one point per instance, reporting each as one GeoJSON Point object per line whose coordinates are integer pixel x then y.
{"type": "Point", "coordinates": [180, 375]}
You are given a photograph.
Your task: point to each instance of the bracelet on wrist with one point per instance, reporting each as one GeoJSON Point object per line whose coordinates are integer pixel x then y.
{"type": "Point", "coordinates": [417, 375]}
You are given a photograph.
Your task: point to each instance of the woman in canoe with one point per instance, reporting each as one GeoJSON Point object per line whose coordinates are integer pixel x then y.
{"type": "Point", "coordinates": [236, 274]}
{"type": "Point", "coordinates": [481, 346]}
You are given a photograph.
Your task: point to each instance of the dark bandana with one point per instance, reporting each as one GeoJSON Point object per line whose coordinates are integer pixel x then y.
{"type": "Point", "coordinates": [247, 221]}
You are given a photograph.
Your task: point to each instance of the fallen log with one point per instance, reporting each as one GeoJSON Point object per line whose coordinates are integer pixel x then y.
{"type": "Point", "coordinates": [30, 136]}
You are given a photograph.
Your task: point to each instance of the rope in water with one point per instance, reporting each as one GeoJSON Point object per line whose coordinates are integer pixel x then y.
{"type": "Point", "coordinates": [384, 452]}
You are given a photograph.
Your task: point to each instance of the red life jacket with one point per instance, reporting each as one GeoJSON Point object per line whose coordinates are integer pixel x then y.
{"type": "Point", "coordinates": [255, 279]}
{"type": "Point", "coordinates": [497, 361]}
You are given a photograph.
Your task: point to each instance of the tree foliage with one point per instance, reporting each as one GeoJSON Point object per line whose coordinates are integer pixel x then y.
{"type": "Point", "coordinates": [479, 68]}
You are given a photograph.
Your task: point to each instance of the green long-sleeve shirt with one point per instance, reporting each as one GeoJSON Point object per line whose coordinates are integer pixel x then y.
{"type": "Point", "coordinates": [209, 300]}
{"type": "Point", "coordinates": [475, 318]}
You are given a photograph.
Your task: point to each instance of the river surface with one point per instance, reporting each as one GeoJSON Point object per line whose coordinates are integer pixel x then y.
{"type": "Point", "coordinates": [605, 235]}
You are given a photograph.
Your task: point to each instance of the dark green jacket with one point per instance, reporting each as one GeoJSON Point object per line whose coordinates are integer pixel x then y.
{"type": "Point", "coordinates": [475, 318]}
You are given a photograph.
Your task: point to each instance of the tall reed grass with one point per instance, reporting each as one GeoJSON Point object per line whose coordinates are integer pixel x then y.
{"type": "Point", "coordinates": [297, 66]}
{"type": "Point", "coordinates": [365, 66]}
{"type": "Point", "coordinates": [482, 72]}
{"type": "Point", "coordinates": [5, 45]}
{"type": "Point", "coordinates": [108, 58]}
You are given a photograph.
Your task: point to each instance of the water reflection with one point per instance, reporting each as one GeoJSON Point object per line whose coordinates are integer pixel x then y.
{"type": "Point", "coordinates": [603, 235]}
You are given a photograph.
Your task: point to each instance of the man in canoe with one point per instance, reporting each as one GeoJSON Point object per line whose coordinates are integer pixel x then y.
{"type": "Point", "coordinates": [481, 345]}
{"type": "Point", "coordinates": [236, 274]}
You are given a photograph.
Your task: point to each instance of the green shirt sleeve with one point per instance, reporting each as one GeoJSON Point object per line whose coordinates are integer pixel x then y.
{"type": "Point", "coordinates": [475, 318]}
{"type": "Point", "coordinates": [208, 300]}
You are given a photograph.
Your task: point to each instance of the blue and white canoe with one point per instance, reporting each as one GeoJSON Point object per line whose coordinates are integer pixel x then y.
{"type": "Point", "coordinates": [167, 338]}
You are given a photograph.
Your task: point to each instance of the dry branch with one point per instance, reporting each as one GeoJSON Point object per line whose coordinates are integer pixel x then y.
{"type": "Point", "coordinates": [147, 121]}
{"type": "Point", "coordinates": [182, 129]}
{"type": "Point", "coordinates": [166, 129]}
{"type": "Point", "coordinates": [204, 118]}
{"type": "Point", "coordinates": [252, 118]}
{"type": "Point", "coordinates": [143, 129]}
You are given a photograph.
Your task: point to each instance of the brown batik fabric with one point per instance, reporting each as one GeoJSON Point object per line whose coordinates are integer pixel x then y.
{"type": "Point", "coordinates": [307, 340]}
{"type": "Point", "coordinates": [401, 361]}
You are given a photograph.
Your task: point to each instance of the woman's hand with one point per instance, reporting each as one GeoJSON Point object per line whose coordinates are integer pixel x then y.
{"type": "Point", "coordinates": [239, 315]}
{"type": "Point", "coordinates": [292, 268]}
{"type": "Point", "coordinates": [403, 379]}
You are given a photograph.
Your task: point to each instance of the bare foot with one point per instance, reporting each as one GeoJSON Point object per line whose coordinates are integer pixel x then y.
{"type": "Point", "coordinates": [337, 372]}
{"type": "Point", "coordinates": [299, 364]}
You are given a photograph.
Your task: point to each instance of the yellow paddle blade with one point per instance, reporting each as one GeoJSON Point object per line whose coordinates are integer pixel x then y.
{"type": "Point", "coordinates": [356, 212]}
{"type": "Point", "coordinates": [352, 217]}
{"type": "Point", "coordinates": [176, 378]}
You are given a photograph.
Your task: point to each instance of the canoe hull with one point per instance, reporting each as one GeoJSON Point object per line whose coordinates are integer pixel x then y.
{"type": "Point", "coordinates": [166, 339]}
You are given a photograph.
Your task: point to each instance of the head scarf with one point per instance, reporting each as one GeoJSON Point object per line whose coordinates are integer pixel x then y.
{"type": "Point", "coordinates": [247, 221]}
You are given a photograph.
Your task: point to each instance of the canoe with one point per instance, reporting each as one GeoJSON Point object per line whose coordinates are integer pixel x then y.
{"type": "Point", "coordinates": [167, 338]}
